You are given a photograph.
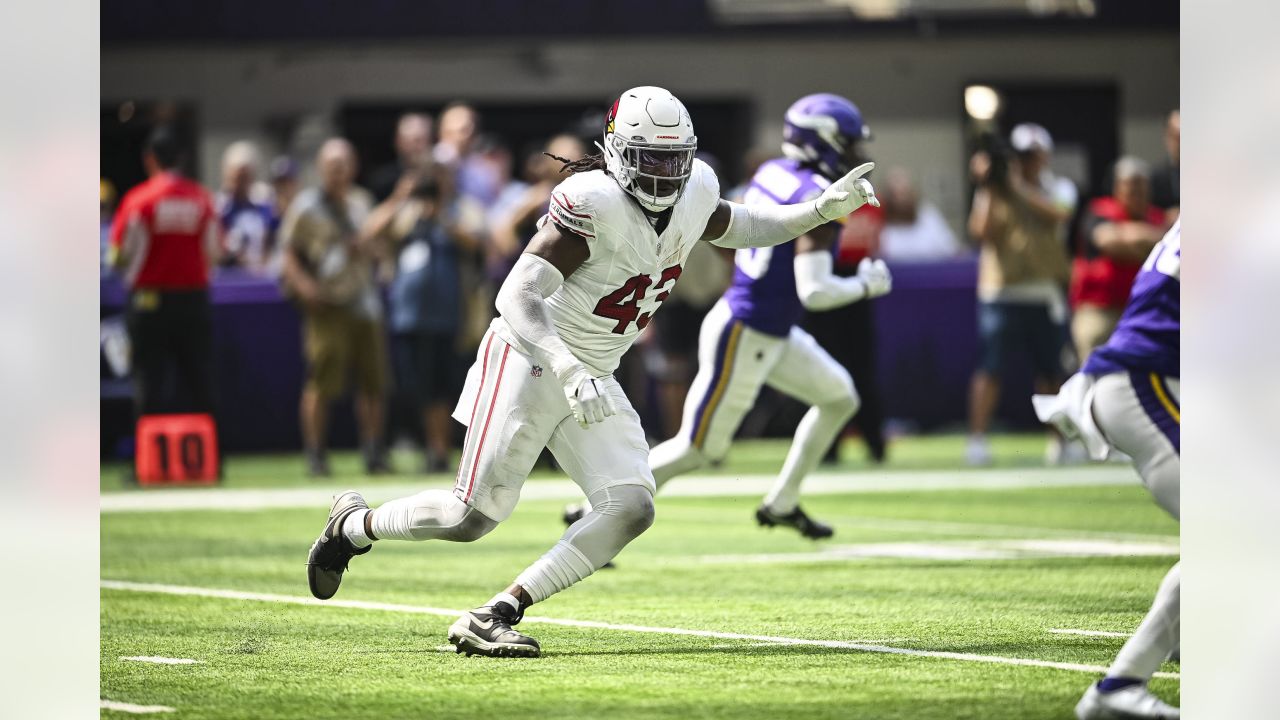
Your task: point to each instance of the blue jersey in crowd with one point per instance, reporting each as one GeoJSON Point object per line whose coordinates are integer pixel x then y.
{"type": "Point", "coordinates": [763, 292]}
{"type": "Point", "coordinates": [1146, 338]}
{"type": "Point", "coordinates": [426, 293]}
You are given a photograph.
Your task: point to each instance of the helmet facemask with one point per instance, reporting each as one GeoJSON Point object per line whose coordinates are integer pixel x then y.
{"type": "Point", "coordinates": [655, 174]}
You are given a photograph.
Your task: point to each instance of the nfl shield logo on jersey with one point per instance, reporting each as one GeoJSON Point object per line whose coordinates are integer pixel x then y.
{"type": "Point", "coordinates": [536, 371]}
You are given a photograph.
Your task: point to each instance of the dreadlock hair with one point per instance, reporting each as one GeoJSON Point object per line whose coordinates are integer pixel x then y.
{"type": "Point", "coordinates": [594, 161]}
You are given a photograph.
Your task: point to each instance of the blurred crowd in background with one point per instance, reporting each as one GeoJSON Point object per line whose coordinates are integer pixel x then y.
{"type": "Point", "coordinates": [393, 268]}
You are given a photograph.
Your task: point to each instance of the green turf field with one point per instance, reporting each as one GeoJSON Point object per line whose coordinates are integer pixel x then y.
{"type": "Point", "coordinates": [921, 607]}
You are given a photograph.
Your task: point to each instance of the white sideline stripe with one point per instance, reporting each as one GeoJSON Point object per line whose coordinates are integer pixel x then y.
{"type": "Point", "coordinates": [958, 550]}
{"type": "Point", "coordinates": [949, 527]}
{"type": "Point", "coordinates": [135, 709]}
{"type": "Point", "coordinates": [1090, 633]}
{"type": "Point", "coordinates": [168, 499]}
{"type": "Point", "coordinates": [390, 607]}
{"type": "Point", "coordinates": [163, 660]}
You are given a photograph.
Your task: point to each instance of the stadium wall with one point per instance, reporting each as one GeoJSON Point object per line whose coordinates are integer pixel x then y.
{"type": "Point", "coordinates": [909, 88]}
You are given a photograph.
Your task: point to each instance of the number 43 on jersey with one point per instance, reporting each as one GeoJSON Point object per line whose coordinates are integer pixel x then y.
{"type": "Point", "coordinates": [623, 304]}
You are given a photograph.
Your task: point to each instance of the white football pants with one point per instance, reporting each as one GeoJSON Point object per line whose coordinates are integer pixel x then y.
{"type": "Point", "coordinates": [1139, 414]}
{"type": "Point", "coordinates": [734, 362]}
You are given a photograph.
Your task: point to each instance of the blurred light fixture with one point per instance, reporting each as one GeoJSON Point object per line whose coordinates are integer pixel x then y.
{"type": "Point", "coordinates": [982, 102]}
{"type": "Point", "coordinates": [126, 111]}
{"type": "Point", "coordinates": [783, 11]}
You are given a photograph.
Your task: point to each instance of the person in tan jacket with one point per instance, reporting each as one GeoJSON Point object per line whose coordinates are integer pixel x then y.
{"type": "Point", "coordinates": [331, 276]}
{"type": "Point", "coordinates": [1019, 218]}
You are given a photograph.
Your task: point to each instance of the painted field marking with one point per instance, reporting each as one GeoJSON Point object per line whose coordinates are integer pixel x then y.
{"type": "Point", "coordinates": [621, 627]}
{"type": "Point", "coordinates": [170, 499]}
{"type": "Point", "coordinates": [163, 660]}
{"type": "Point", "coordinates": [1090, 633]}
{"type": "Point", "coordinates": [949, 527]}
{"type": "Point", "coordinates": [135, 709]}
{"type": "Point", "coordinates": [956, 550]}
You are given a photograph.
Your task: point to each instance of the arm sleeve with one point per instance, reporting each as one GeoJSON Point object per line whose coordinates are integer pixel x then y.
{"type": "Point", "coordinates": [521, 302]}
{"type": "Point", "coordinates": [760, 225]}
{"type": "Point", "coordinates": [821, 289]}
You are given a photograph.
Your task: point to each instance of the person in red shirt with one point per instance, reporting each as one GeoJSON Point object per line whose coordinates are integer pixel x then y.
{"type": "Point", "coordinates": [164, 240]}
{"type": "Point", "coordinates": [1116, 235]}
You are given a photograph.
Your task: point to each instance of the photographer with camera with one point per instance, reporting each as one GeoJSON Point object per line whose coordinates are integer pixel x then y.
{"type": "Point", "coordinates": [1019, 217]}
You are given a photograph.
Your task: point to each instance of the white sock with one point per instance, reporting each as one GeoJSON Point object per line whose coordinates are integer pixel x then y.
{"type": "Point", "coordinates": [1156, 637]}
{"type": "Point", "coordinates": [504, 597]}
{"type": "Point", "coordinates": [353, 529]}
{"type": "Point", "coordinates": [561, 566]}
{"type": "Point", "coordinates": [816, 432]}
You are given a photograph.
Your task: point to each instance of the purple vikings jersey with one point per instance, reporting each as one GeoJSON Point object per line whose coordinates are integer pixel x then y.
{"type": "Point", "coordinates": [763, 292]}
{"type": "Point", "coordinates": [1146, 339]}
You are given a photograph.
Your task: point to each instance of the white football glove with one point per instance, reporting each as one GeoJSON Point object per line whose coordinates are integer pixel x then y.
{"type": "Point", "coordinates": [875, 277]}
{"type": "Point", "coordinates": [848, 194]}
{"type": "Point", "coordinates": [588, 399]}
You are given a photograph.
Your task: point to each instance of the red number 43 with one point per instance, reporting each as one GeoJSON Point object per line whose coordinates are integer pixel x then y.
{"type": "Point", "coordinates": [623, 304]}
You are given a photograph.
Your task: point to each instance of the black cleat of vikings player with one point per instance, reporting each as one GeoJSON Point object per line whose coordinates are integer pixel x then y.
{"type": "Point", "coordinates": [487, 631]}
{"type": "Point", "coordinates": [806, 525]}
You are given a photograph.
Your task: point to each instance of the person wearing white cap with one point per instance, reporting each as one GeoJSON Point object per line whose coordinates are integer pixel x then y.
{"type": "Point", "coordinates": [1019, 219]}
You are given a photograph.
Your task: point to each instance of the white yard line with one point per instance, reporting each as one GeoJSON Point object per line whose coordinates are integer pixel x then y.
{"type": "Point", "coordinates": [169, 499]}
{"type": "Point", "coordinates": [954, 550]}
{"type": "Point", "coordinates": [622, 627]}
{"type": "Point", "coordinates": [1090, 633]}
{"type": "Point", "coordinates": [162, 660]}
{"type": "Point", "coordinates": [135, 709]}
{"type": "Point", "coordinates": [950, 527]}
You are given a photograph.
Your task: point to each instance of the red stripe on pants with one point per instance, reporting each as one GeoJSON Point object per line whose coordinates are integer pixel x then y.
{"type": "Point", "coordinates": [493, 402]}
{"type": "Point", "coordinates": [484, 367]}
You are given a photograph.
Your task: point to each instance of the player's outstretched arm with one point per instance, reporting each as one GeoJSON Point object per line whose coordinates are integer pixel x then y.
{"type": "Point", "coordinates": [552, 256]}
{"type": "Point", "coordinates": [734, 225]}
{"type": "Point", "coordinates": [817, 285]}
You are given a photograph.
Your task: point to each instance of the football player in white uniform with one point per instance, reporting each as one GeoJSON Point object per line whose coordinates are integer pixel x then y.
{"type": "Point", "coordinates": [603, 260]}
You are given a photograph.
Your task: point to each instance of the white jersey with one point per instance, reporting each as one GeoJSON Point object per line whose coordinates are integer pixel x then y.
{"type": "Point", "coordinates": [604, 305]}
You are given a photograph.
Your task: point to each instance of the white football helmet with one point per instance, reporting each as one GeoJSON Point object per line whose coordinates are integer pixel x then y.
{"type": "Point", "coordinates": [649, 146]}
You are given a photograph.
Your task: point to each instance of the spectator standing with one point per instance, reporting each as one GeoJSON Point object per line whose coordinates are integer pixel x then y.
{"type": "Point", "coordinates": [247, 224]}
{"type": "Point", "coordinates": [284, 188]}
{"type": "Point", "coordinates": [511, 230]}
{"type": "Point", "coordinates": [460, 123]}
{"type": "Point", "coordinates": [914, 230]}
{"type": "Point", "coordinates": [165, 239]}
{"type": "Point", "coordinates": [464, 213]}
{"type": "Point", "coordinates": [425, 306]}
{"type": "Point", "coordinates": [1019, 217]}
{"type": "Point", "coordinates": [1116, 235]}
{"type": "Point", "coordinates": [413, 153]}
{"type": "Point", "coordinates": [1166, 181]}
{"type": "Point", "coordinates": [328, 272]}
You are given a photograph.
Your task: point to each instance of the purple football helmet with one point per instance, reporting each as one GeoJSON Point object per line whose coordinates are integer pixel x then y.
{"type": "Point", "coordinates": [819, 130]}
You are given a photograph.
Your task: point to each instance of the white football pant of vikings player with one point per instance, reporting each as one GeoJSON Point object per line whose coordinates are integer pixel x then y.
{"type": "Point", "coordinates": [1138, 414]}
{"type": "Point", "coordinates": [734, 363]}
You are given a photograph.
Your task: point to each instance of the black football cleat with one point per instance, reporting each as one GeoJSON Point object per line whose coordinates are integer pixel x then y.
{"type": "Point", "coordinates": [487, 631]}
{"type": "Point", "coordinates": [573, 512]}
{"type": "Point", "coordinates": [806, 525]}
{"type": "Point", "coordinates": [332, 550]}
